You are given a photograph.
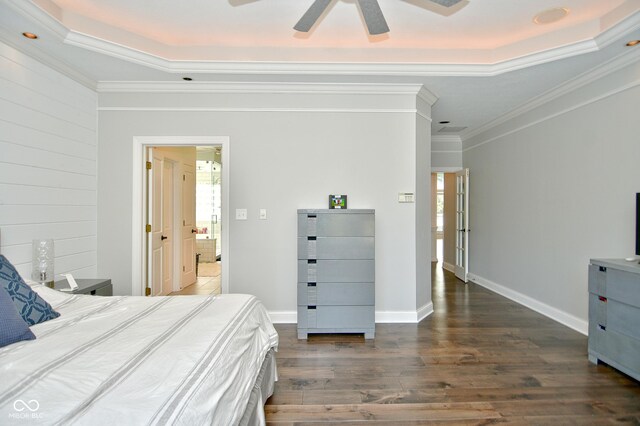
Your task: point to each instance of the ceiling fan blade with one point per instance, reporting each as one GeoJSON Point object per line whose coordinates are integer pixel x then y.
{"type": "Point", "coordinates": [373, 17]}
{"type": "Point", "coordinates": [311, 15]}
{"type": "Point", "coordinates": [446, 3]}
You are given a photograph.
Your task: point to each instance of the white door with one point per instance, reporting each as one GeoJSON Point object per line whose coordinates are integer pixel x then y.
{"type": "Point", "coordinates": [155, 245]}
{"type": "Point", "coordinates": [462, 224]}
{"type": "Point", "coordinates": [167, 227]}
{"type": "Point", "coordinates": [188, 225]}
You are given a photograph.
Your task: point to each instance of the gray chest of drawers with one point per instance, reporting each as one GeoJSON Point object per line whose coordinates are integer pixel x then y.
{"type": "Point", "coordinates": [614, 314]}
{"type": "Point", "coordinates": [336, 272]}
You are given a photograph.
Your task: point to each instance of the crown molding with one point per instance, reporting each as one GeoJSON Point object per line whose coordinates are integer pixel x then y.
{"type": "Point", "coordinates": [446, 138]}
{"type": "Point", "coordinates": [95, 44]}
{"type": "Point", "coordinates": [257, 87]}
{"type": "Point", "coordinates": [613, 65]}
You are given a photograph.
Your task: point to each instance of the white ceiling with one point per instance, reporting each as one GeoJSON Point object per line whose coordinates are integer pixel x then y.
{"type": "Point", "coordinates": [482, 58]}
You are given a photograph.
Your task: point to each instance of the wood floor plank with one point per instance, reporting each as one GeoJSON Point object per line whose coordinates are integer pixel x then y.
{"type": "Point", "coordinates": [478, 359]}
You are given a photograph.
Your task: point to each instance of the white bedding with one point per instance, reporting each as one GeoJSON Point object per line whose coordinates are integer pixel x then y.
{"type": "Point", "coordinates": [135, 360]}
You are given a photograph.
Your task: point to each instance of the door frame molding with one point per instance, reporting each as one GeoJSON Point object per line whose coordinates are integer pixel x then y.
{"type": "Point", "coordinates": [138, 220]}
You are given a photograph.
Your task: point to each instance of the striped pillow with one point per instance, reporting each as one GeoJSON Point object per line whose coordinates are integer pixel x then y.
{"type": "Point", "coordinates": [32, 308]}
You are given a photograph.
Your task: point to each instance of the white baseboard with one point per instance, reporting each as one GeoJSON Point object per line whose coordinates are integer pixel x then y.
{"type": "Point", "coordinates": [409, 317]}
{"type": "Point", "coordinates": [283, 317]}
{"type": "Point", "coordinates": [449, 267]}
{"type": "Point", "coordinates": [571, 321]}
{"type": "Point", "coordinates": [425, 311]}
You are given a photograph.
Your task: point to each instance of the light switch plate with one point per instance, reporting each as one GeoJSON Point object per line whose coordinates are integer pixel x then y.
{"type": "Point", "coordinates": [263, 214]}
{"type": "Point", "coordinates": [241, 214]}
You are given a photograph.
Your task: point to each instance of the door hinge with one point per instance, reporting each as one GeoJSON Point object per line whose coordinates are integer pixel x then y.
{"type": "Point", "coordinates": [184, 222]}
{"type": "Point", "coordinates": [183, 268]}
{"type": "Point", "coordinates": [147, 291]}
{"type": "Point", "coordinates": [148, 165]}
{"type": "Point", "coordinates": [148, 227]}
{"type": "Point", "coordinates": [184, 178]}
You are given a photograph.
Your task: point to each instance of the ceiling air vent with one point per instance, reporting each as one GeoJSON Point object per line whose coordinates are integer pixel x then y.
{"type": "Point", "coordinates": [452, 129]}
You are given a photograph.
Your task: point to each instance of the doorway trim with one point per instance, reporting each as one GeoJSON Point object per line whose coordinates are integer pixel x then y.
{"type": "Point", "coordinates": [138, 220]}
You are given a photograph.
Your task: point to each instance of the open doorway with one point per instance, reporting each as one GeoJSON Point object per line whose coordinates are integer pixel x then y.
{"type": "Point", "coordinates": [450, 213]}
{"type": "Point", "coordinates": [139, 223]}
{"type": "Point", "coordinates": [183, 208]}
{"type": "Point", "coordinates": [208, 222]}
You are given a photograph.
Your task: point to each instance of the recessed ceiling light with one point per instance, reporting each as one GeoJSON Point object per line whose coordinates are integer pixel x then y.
{"type": "Point", "coordinates": [32, 36]}
{"type": "Point", "coordinates": [551, 15]}
{"type": "Point", "coordinates": [633, 43]}
{"type": "Point", "coordinates": [444, 122]}
{"type": "Point", "coordinates": [187, 78]}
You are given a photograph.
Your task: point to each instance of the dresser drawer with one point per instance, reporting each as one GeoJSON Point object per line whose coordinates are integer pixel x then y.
{"type": "Point", "coordinates": [336, 248]}
{"type": "Point", "coordinates": [597, 309]}
{"type": "Point", "coordinates": [617, 349]}
{"type": "Point", "coordinates": [623, 286]}
{"type": "Point", "coordinates": [336, 224]}
{"type": "Point", "coordinates": [335, 317]}
{"type": "Point", "coordinates": [623, 319]}
{"type": "Point", "coordinates": [598, 280]}
{"type": "Point", "coordinates": [336, 271]}
{"type": "Point", "coordinates": [336, 294]}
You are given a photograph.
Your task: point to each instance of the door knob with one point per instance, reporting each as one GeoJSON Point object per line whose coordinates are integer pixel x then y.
{"type": "Point", "coordinates": [164, 238]}
{"type": "Point", "coordinates": [194, 231]}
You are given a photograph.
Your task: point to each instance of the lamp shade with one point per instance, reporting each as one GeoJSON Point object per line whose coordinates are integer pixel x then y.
{"type": "Point", "coordinates": [42, 261]}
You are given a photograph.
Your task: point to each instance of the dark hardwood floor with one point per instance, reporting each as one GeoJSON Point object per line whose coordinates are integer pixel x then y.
{"type": "Point", "coordinates": [478, 359]}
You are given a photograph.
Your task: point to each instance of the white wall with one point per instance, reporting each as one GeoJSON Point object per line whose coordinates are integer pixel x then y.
{"type": "Point", "coordinates": [555, 186]}
{"type": "Point", "coordinates": [47, 165]}
{"type": "Point", "coordinates": [446, 152]}
{"type": "Point", "coordinates": [289, 148]}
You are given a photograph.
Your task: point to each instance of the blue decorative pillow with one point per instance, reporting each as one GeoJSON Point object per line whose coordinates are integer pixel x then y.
{"type": "Point", "coordinates": [12, 326]}
{"type": "Point", "coordinates": [31, 307]}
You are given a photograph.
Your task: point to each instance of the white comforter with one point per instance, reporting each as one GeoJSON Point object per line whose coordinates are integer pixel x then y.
{"type": "Point", "coordinates": [134, 360]}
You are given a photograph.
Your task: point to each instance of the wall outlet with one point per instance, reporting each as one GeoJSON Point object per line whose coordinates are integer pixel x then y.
{"type": "Point", "coordinates": [241, 214]}
{"type": "Point", "coordinates": [263, 214]}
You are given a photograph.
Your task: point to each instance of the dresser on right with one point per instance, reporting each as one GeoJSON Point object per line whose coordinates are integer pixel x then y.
{"type": "Point", "coordinates": [614, 314]}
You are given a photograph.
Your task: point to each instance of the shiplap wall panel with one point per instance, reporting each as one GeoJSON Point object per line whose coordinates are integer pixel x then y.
{"type": "Point", "coordinates": [48, 148]}
{"type": "Point", "coordinates": [25, 136]}
{"type": "Point", "coordinates": [35, 176]}
{"type": "Point", "coordinates": [28, 72]}
{"type": "Point", "coordinates": [38, 102]}
{"type": "Point", "coordinates": [15, 194]}
{"type": "Point", "coordinates": [21, 253]}
{"type": "Point", "coordinates": [28, 117]}
{"type": "Point", "coordinates": [34, 157]}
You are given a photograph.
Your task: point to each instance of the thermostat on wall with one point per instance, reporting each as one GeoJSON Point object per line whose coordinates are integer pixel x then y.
{"type": "Point", "coordinates": [406, 197]}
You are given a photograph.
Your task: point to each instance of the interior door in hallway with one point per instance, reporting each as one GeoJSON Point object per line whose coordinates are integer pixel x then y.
{"type": "Point", "coordinates": [462, 224]}
{"type": "Point", "coordinates": [155, 242]}
{"type": "Point", "coordinates": [189, 229]}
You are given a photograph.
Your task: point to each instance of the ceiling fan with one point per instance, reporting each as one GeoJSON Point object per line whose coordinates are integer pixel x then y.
{"type": "Point", "coordinates": [373, 17]}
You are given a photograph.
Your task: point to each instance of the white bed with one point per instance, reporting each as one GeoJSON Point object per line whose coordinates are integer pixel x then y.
{"type": "Point", "coordinates": [134, 360]}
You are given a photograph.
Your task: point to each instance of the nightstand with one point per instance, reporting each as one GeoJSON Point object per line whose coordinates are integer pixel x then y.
{"type": "Point", "coordinates": [94, 287]}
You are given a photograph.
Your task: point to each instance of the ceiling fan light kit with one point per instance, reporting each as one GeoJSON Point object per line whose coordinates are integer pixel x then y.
{"type": "Point", "coordinates": [373, 16]}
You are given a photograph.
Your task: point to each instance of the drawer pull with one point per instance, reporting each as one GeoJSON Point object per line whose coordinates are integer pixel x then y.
{"type": "Point", "coordinates": [311, 261]}
{"type": "Point", "coordinates": [602, 299]}
{"type": "Point", "coordinates": [311, 307]}
{"type": "Point", "coordinates": [602, 327]}
{"type": "Point", "coordinates": [311, 284]}
{"type": "Point", "coordinates": [311, 215]}
{"type": "Point", "coordinates": [312, 238]}
{"type": "Point", "coordinates": [602, 269]}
